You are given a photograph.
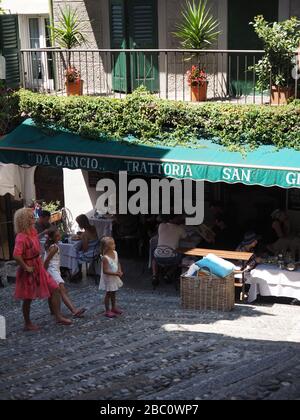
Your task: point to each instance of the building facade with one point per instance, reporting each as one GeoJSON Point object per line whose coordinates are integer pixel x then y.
{"type": "Point", "coordinates": [150, 24]}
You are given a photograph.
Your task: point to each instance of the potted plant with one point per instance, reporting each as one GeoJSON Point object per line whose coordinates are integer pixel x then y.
{"type": "Point", "coordinates": [74, 83]}
{"type": "Point", "coordinates": [53, 208]}
{"type": "Point", "coordinates": [197, 80]}
{"type": "Point", "coordinates": [275, 69]}
{"type": "Point", "coordinates": [198, 30]}
{"type": "Point", "coordinates": [68, 34]}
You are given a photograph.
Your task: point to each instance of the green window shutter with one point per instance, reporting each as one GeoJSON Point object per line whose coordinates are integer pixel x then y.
{"type": "Point", "coordinates": [142, 15]}
{"type": "Point", "coordinates": [118, 41]}
{"type": "Point", "coordinates": [9, 46]}
{"type": "Point", "coordinates": [143, 34]}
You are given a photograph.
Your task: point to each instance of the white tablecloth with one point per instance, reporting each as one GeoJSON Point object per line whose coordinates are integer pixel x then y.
{"type": "Point", "coordinates": [268, 280]}
{"type": "Point", "coordinates": [68, 256]}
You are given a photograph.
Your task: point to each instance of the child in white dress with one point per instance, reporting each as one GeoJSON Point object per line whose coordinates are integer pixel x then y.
{"type": "Point", "coordinates": [110, 276]}
{"type": "Point", "coordinates": [52, 265]}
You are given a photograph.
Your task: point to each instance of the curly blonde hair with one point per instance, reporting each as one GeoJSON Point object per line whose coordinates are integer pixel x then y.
{"type": "Point", "coordinates": [22, 220]}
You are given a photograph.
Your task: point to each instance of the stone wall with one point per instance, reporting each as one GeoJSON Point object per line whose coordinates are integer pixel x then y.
{"type": "Point", "coordinates": [90, 13]}
{"type": "Point", "coordinates": [178, 63]}
{"type": "Point", "coordinates": [93, 67]}
{"type": "Point", "coordinates": [174, 8]}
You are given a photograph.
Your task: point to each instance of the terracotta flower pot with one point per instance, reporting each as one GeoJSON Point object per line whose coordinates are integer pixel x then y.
{"type": "Point", "coordinates": [280, 95]}
{"type": "Point", "coordinates": [199, 92]}
{"type": "Point", "coordinates": [55, 217]}
{"type": "Point", "coordinates": [74, 88]}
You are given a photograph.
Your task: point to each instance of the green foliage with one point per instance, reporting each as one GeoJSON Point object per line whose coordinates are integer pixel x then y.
{"type": "Point", "coordinates": [68, 31]}
{"type": "Point", "coordinates": [10, 115]}
{"type": "Point", "coordinates": [198, 29]}
{"type": "Point", "coordinates": [280, 40]}
{"type": "Point", "coordinates": [51, 206]}
{"type": "Point", "coordinates": [145, 119]}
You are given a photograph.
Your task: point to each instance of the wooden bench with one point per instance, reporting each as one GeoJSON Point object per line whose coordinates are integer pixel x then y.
{"type": "Point", "coordinates": [244, 257]}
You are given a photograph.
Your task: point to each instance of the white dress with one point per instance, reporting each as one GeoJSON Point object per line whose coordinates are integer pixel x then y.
{"type": "Point", "coordinates": [54, 265]}
{"type": "Point", "coordinates": [107, 282]}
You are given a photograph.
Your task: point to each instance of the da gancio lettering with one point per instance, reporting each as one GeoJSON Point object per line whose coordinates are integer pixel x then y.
{"type": "Point", "coordinates": [71, 162]}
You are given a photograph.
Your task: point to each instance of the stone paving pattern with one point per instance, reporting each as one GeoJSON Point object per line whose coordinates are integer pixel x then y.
{"type": "Point", "coordinates": [154, 351]}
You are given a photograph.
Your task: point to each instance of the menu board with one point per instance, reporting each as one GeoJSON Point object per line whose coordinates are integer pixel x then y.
{"type": "Point", "coordinates": [294, 199]}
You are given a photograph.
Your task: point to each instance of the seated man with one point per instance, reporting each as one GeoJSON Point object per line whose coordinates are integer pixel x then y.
{"type": "Point", "coordinates": [169, 235]}
{"type": "Point", "coordinates": [43, 224]}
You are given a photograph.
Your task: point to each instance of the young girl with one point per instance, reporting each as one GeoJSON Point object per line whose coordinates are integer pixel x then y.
{"type": "Point", "coordinates": [52, 265]}
{"type": "Point", "coordinates": [110, 276]}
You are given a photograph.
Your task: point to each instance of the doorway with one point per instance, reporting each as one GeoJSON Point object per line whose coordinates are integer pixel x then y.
{"type": "Point", "coordinates": [241, 36]}
{"type": "Point", "coordinates": [134, 25]}
{"type": "Point", "coordinates": [49, 184]}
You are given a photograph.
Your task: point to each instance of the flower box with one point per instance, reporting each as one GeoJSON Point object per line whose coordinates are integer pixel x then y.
{"type": "Point", "coordinates": [55, 217]}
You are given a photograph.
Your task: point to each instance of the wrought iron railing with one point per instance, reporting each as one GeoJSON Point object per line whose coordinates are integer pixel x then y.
{"type": "Point", "coordinates": [106, 72]}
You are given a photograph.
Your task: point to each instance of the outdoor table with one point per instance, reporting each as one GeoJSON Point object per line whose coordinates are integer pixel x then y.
{"type": "Point", "coordinates": [69, 256]}
{"type": "Point", "coordinates": [228, 255]}
{"type": "Point", "coordinates": [270, 280]}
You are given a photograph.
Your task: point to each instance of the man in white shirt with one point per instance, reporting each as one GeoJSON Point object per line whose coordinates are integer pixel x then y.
{"type": "Point", "coordinates": [169, 234]}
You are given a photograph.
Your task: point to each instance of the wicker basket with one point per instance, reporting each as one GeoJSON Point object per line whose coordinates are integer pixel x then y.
{"type": "Point", "coordinates": [207, 291]}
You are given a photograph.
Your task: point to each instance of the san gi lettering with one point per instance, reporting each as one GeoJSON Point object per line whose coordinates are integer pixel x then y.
{"type": "Point", "coordinates": [293, 178]}
{"type": "Point", "coordinates": [236, 174]}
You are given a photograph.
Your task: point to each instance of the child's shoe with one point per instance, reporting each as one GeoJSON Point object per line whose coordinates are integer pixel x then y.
{"type": "Point", "coordinates": [110, 314]}
{"type": "Point", "coordinates": [117, 311]}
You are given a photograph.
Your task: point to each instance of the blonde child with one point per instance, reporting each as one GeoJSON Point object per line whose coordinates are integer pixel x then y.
{"type": "Point", "coordinates": [52, 265]}
{"type": "Point", "coordinates": [110, 276]}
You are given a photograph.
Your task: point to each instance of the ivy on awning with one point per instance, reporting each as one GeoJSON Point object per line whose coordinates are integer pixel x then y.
{"type": "Point", "coordinates": [265, 166]}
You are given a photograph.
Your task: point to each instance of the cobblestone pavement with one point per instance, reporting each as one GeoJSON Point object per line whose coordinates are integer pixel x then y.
{"type": "Point", "coordinates": [154, 351]}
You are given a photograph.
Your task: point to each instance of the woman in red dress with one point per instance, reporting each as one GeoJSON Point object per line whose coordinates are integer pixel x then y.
{"type": "Point", "coordinates": [32, 280]}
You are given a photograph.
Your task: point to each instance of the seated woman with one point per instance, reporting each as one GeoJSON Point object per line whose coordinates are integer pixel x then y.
{"type": "Point", "coordinates": [279, 239]}
{"type": "Point", "coordinates": [89, 242]}
{"type": "Point", "coordinates": [249, 244]}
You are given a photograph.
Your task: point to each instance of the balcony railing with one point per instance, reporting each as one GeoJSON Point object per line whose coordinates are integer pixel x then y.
{"type": "Point", "coordinates": [114, 73]}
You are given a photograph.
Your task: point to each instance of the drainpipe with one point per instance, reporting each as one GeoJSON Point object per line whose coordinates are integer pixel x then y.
{"type": "Point", "coordinates": [51, 16]}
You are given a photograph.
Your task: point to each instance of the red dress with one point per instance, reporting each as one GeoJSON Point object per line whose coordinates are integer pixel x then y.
{"type": "Point", "coordinates": [38, 284]}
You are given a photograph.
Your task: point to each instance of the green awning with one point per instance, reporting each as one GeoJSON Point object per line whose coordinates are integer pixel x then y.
{"type": "Point", "coordinates": [265, 166]}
